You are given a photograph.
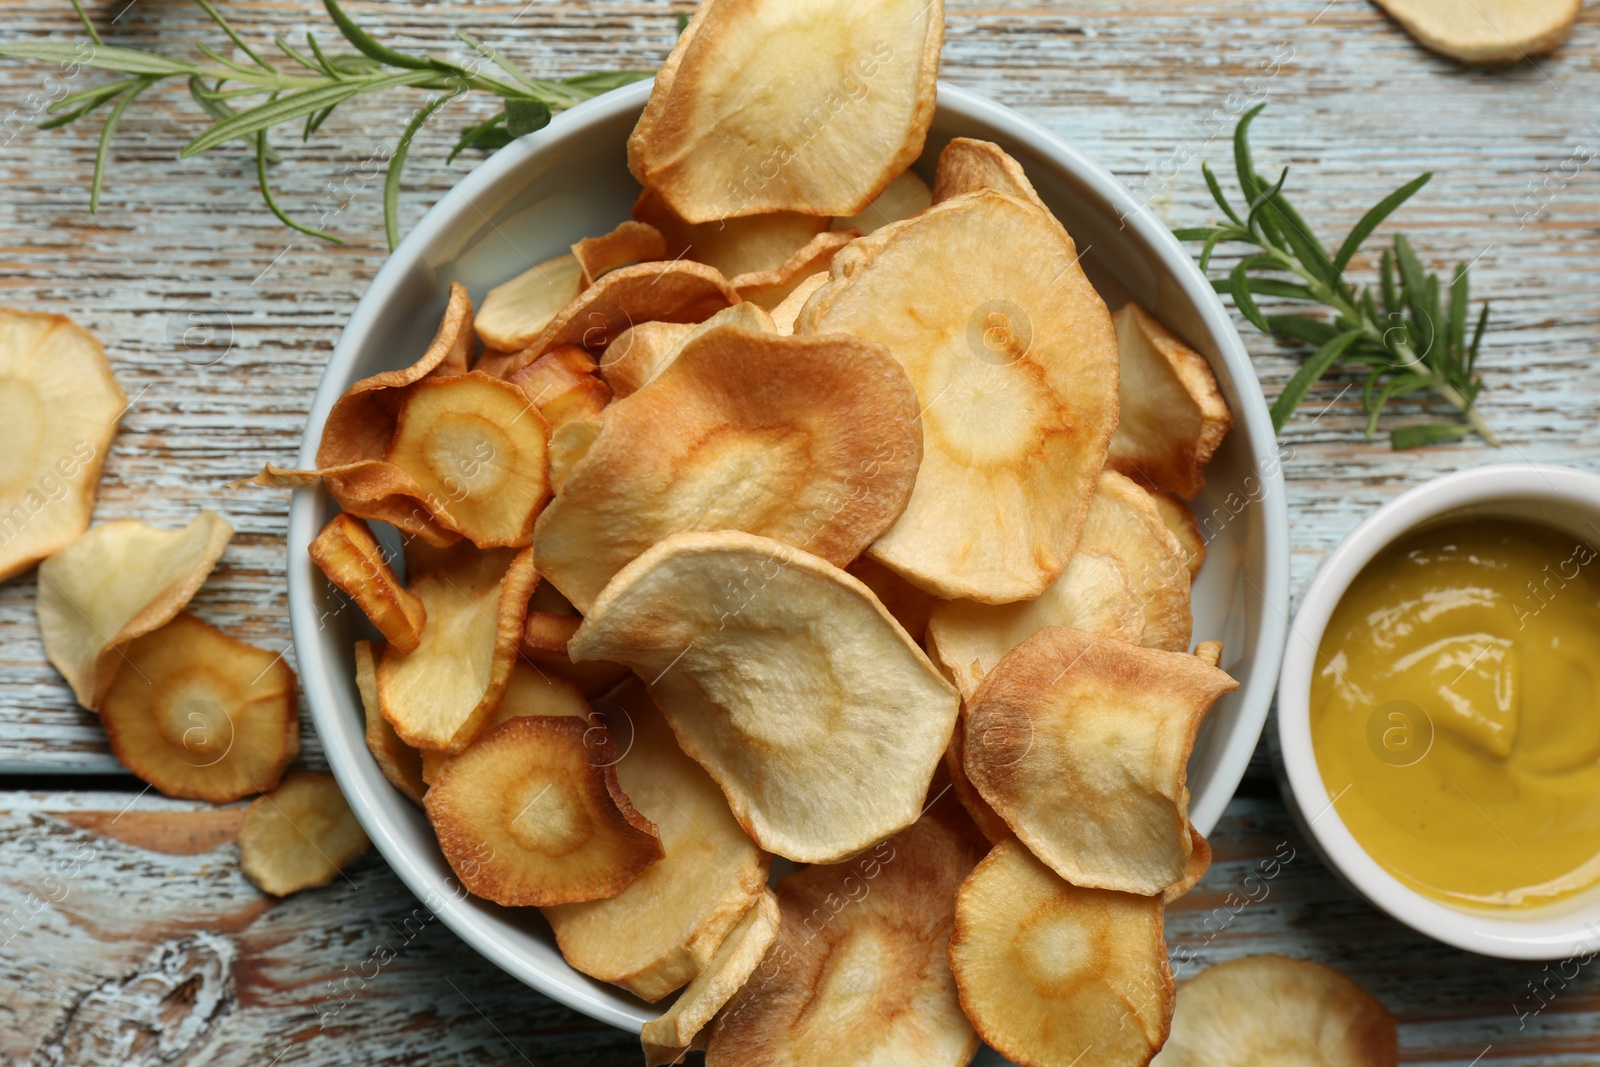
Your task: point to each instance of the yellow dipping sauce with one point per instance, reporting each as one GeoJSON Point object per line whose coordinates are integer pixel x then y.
{"type": "Point", "coordinates": [1455, 712]}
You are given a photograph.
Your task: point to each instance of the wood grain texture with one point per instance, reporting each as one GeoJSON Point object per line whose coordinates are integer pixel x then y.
{"type": "Point", "coordinates": [219, 322]}
{"type": "Point", "coordinates": [359, 973]}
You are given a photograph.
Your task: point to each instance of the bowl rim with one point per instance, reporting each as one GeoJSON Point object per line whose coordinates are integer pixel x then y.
{"type": "Point", "coordinates": [1526, 937]}
{"type": "Point", "coordinates": [370, 795]}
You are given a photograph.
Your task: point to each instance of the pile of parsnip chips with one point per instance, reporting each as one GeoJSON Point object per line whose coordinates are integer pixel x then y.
{"type": "Point", "coordinates": [814, 513]}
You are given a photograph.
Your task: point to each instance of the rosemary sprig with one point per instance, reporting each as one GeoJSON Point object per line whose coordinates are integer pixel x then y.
{"type": "Point", "coordinates": [1409, 333]}
{"type": "Point", "coordinates": [310, 86]}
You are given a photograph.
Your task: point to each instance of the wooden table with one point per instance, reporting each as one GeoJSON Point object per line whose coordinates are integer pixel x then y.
{"type": "Point", "coordinates": [219, 321]}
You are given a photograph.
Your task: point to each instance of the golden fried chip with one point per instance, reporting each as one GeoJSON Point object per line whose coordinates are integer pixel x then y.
{"type": "Point", "coordinates": [61, 405]}
{"type": "Point", "coordinates": [569, 443]}
{"type": "Point", "coordinates": [967, 165]}
{"type": "Point", "coordinates": [786, 679]}
{"type": "Point", "coordinates": [1173, 414]}
{"type": "Point", "coordinates": [515, 312]}
{"type": "Point", "coordinates": [441, 695]}
{"type": "Point", "coordinates": [532, 814]}
{"type": "Point", "coordinates": [1194, 868]}
{"type": "Point", "coordinates": [678, 291]}
{"type": "Point", "coordinates": [299, 835]}
{"type": "Point", "coordinates": [116, 582]}
{"type": "Point", "coordinates": [1013, 358]}
{"type": "Point", "coordinates": [910, 606]}
{"type": "Point", "coordinates": [477, 448]}
{"type": "Point", "coordinates": [544, 644]}
{"type": "Point", "coordinates": [733, 246]}
{"type": "Point", "coordinates": [1050, 973]}
{"type": "Point", "coordinates": [200, 715]}
{"type": "Point", "coordinates": [717, 142]}
{"type": "Point", "coordinates": [351, 558]}
{"type": "Point", "coordinates": [811, 440]}
{"type": "Point", "coordinates": [1123, 523]}
{"type": "Point", "coordinates": [563, 385]}
{"type": "Point", "coordinates": [1081, 744]}
{"type": "Point", "coordinates": [630, 242]}
{"type": "Point", "coordinates": [400, 763]}
{"type": "Point", "coordinates": [1476, 31]}
{"type": "Point", "coordinates": [530, 691]}
{"type": "Point", "coordinates": [860, 971]}
{"type": "Point", "coordinates": [906, 196]}
{"type": "Point", "coordinates": [1181, 521]}
{"type": "Point", "coordinates": [665, 928]}
{"type": "Point", "coordinates": [1094, 594]}
{"type": "Point", "coordinates": [629, 369]}
{"type": "Point", "coordinates": [1271, 1009]}
{"type": "Point", "coordinates": [668, 1038]}
{"type": "Point", "coordinates": [769, 288]}
{"type": "Point", "coordinates": [784, 315]}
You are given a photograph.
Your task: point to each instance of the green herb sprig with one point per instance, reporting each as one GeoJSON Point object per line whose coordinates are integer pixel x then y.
{"type": "Point", "coordinates": [1401, 330]}
{"type": "Point", "coordinates": [308, 85]}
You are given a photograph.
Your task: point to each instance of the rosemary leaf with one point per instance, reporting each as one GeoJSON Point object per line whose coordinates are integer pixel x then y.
{"type": "Point", "coordinates": [397, 163]}
{"type": "Point", "coordinates": [1431, 434]}
{"type": "Point", "coordinates": [1310, 372]}
{"type": "Point", "coordinates": [1374, 218]}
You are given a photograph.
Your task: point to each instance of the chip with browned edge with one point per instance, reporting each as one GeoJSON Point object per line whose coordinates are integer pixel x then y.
{"type": "Point", "coordinates": [532, 814]}
{"type": "Point", "coordinates": [300, 835]}
{"type": "Point", "coordinates": [400, 763]}
{"type": "Point", "coordinates": [351, 558]}
{"type": "Point", "coordinates": [1081, 744]}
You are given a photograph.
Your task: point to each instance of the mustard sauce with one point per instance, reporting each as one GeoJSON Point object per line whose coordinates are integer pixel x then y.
{"type": "Point", "coordinates": [1455, 712]}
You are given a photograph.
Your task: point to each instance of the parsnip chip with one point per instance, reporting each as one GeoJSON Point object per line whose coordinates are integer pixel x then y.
{"type": "Point", "coordinates": [1194, 868]}
{"type": "Point", "coordinates": [544, 644]}
{"type": "Point", "coordinates": [991, 825]}
{"type": "Point", "coordinates": [1181, 521]}
{"type": "Point", "coordinates": [967, 165]}
{"type": "Point", "coordinates": [515, 312]}
{"type": "Point", "coordinates": [665, 928]}
{"type": "Point", "coordinates": [634, 367]}
{"type": "Point", "coordinates": [61, 405]}
{"type": "Point", "coordinates": [1209, 653]}
{"type": "Point", "coordinates": [769, 288]}
{"type": "Point", "coordinates": [906, 196]}
{"type": "Point", "coordinates": [860, 971]}
{"type": "Point", "coordinates": [201, 716]}
{"type": "Point", "coordinates": [563, 385]}
{"type": "Point", "coordinates": [300, 835]}
{"type": "Point", "coordinates": [532, 814]}
{"type": "Point", "coordinates": [1173, 414]}
{"type": "Point", "coordinates": [1485, 31]}
{"type": "Point", "coordinates": [910, 606]}
{"type": "Point", "coordinates": [1081, 744]}
{"type": "Point", "coordinates": [810, 440]}
{"type": "Point", "coordinates": [733, 246]}
{"type": "Point", "coordinates": [630, 242]}
{"type": "Point", "coordinates": [1094, 594]}
{"type": "Point", "coordinates": [362, 424]}
{"type": "Point", "coordinates": [786, 679]}
{"type": "Point", "coordinates": [668, 1038]}
{"type": "Point", "coordinates": [678, 291]}
{"type": "Point", "coordinates": [529, 691]}
{"type": "Point", "coordinates": [1050, 973]}
{"type": "Point", "coordinates": [1271, 1009]}
{"type": "Point", "coordinates": [477, 448]}
{"type": "Point", "coordinates": [400, 763]}
{"type": "Point", "coordinates": [351, 558]}
{"type": "Point", "coordinates": [118, 581]}
{"type": "Point", "coordinates": [1013, 357]}
{"type": "Point", "coordinates": [569, 443]}
{"type": "Point", "coordinates": [441, 695]}
{"type": "Point", "coordinates": [858, 77]}
{"type": "Point", "coordinates": [784, 315]}
{"type": "Point", "coordinates": [1123, 522]}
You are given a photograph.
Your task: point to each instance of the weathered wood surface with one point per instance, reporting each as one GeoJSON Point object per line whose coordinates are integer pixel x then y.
{"type": "Point", "coordinates": [110, 903]}
{"type": "Point", "coordinates": [219, 322]}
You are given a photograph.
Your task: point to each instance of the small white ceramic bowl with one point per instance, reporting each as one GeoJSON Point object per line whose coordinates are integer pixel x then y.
{"type": "Point", "coordinates": [532, 199]}
{"type": "Point", "coordinates": [1565, 499]}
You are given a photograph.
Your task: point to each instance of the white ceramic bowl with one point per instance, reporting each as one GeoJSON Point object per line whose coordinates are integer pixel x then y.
{"type": "Point", "coordinates": [1566, 499]}
{"type": "Point", "coordinates": [532, 199]}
